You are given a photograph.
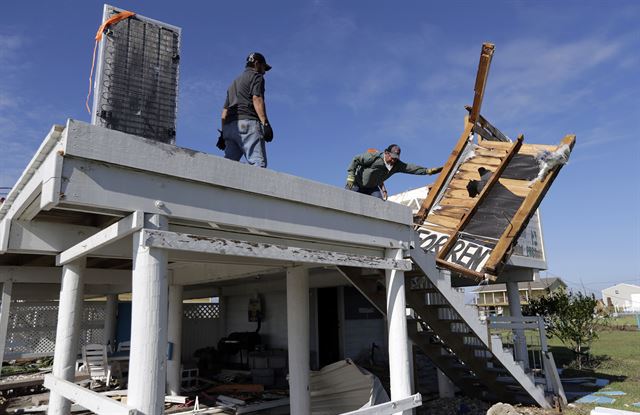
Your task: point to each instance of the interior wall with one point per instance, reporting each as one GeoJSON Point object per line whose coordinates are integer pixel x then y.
{"type": "Point", "coordinates": [273, 330]}
{"type": "Point", "coordinates": [363, 327]}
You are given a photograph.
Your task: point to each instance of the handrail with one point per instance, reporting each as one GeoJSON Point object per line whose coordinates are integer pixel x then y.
{"type": "Point", "coordinates": [552, 379]}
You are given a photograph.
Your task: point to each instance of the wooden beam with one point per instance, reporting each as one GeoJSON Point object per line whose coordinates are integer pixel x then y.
{"type": "Point", "coordinates": [110, 234]}
{"type": "Point", "coordinates": [487, 130]}
{"type": "Point", "coordinates": [447, 170]}
{"type": "Point", "coordinates": [478, 276]}
{"type": "Point", "coordinates": [442, 254]}
{"type": "Point", "coordinates": [519, 222]}
{"type": "Point", "coordinates": [53, 275]}
{"type": "Point", "coordinates": [87, 398]}
{"type": "Point", "coordinates": [221, 246]}
{"type": "Point", "coordinates": [481, 80]}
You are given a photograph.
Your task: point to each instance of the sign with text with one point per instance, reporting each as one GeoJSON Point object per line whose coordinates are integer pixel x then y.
{"type": "Point", "coordinates": [465, 253]}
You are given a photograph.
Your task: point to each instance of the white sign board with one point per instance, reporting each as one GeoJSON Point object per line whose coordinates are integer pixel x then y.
{"type": "Point", "coordinates": [467, 254]}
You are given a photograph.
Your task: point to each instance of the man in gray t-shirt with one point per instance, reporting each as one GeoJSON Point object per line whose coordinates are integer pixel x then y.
{"type": "Point", "coordinates": [245, 126]}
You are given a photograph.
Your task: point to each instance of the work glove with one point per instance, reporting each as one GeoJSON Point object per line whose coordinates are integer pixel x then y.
{"type": "Point", "coordinates": [267, 132]}
{"type": "Point", "coordinates": [433, 171]}
{"type": "Point", "coordinates": [351, 179]}
{"type": "Point", "coordinates": [221, 144]}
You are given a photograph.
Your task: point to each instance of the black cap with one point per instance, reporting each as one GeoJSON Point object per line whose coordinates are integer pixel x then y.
{"type": "Point", "coordinates": [258, 57]}
{"type": "Point", "coordinates": [393, 150]}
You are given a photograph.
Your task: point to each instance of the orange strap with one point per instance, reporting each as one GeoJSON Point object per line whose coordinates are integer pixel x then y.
{"type": "Point", "coordinates": [112, 20]}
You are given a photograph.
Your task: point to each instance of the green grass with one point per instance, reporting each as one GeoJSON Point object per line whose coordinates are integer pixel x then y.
{"type": "Point", "coordinates": [627, 322]}
{"type": "Point", "coordinates": [616, 356]}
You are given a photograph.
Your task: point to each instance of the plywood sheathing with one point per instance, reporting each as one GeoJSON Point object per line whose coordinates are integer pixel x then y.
{"type": "Point", "coordinates": [468, 166]}
{"type": "Point", "coordinates": [532, 200]}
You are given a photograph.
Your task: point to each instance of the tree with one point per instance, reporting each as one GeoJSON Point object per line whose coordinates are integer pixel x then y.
{"type": "Point", "coordinates": [570, 317]}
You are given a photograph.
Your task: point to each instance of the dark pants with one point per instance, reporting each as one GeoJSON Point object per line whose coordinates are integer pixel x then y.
{"type": "Point", "coordinates": [371, 191]}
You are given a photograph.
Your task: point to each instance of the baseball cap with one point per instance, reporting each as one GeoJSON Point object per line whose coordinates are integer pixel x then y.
{"type": "Point", "coordinates": [393, 150]}
{"type": "Point", "coordinates": [258, 57]}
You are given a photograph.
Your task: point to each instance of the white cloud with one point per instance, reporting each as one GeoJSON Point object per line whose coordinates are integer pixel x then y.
{"type": "Point", "coordinates": [373, 84]}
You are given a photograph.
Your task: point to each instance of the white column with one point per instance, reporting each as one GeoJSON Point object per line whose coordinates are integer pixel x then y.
{"type": "Point", "coordinates": [7, 287]}
{"type": "Point", "coordinates": [110, 320]}
{"type": "Point", "coordinates": [174, 374]}
{"type": "Point", "coordinates": [298, 339]}
{"type": "Point", "coordinates": [149, 292]}
{"type": "Point", "coordinates": [519, 339]}
{"type": "Point", "coordinates": [399, 366]}
{"type": "Point", "coordinates": [445, 386]}
{"type": "Point", "coordinates": [67, 332]}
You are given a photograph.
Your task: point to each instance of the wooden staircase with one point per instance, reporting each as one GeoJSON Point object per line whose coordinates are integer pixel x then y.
{"type": "Point", "coordinates": [451, 334]}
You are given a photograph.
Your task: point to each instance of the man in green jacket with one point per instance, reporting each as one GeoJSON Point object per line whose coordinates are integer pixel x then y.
{"type": "Point", "coordinates": [368, 171]}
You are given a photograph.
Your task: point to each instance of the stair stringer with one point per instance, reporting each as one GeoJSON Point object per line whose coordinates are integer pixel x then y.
{"type": "Point", "coordinates": [372, 288]}
{"type": "Point", "coordinates": [426, 261]}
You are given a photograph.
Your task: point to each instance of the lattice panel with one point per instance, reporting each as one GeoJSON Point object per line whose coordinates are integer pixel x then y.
{"type": "Point", "coordinates": [202, 311]}
{"type": "Point", "coordinates": [32, 327]}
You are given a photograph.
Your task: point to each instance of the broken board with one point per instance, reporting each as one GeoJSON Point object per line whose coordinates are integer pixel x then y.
{"type": "Point", "coordinates": [486, 194]}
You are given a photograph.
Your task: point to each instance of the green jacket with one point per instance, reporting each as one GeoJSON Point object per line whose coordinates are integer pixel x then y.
{"type": "Point", "coordinates": [370, 171]}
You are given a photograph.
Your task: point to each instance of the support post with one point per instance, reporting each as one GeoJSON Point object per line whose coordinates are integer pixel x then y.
{"type": "Point", "coordinates": [399, 367]}
{"type": "Point", "coordinates": [148, 362]}
{"type": "Point", "coordinates": [7, 288]}
{"type": "Point", "coordinates": [515, 310]}
{"type": "Point", "coordinates": [298, 339]}
{"type": "Point", "coordinates": [110, 321]}
{"type": "Point", "coordinates": [174, 372]}
{"type": "Point", "coordinates": [67, 331]}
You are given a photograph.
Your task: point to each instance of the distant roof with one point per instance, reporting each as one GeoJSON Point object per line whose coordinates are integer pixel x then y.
{"type": "Point", "coordinates": [621, 284]}
{"type": "Point", "coordinates": [539, 284]}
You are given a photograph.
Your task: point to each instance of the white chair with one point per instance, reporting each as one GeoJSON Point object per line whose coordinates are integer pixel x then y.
{"type": "Point", "coordinates": [94, 357]}
{"type": "Point", "coordinates": [124, 346]}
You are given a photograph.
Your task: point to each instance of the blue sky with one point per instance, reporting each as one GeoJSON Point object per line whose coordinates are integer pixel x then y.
{"type": "Point", "coordinates": [351, 75]}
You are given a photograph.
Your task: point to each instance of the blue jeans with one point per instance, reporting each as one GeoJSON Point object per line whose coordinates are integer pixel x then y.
{"type": "Point", "coordinates": [371, 191]}
{"type": "Point", "coordinates": [244, 137]}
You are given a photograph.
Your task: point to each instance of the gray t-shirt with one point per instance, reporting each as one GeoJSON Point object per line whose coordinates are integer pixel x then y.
{"type": "Point", "coordinates": [239, 102]}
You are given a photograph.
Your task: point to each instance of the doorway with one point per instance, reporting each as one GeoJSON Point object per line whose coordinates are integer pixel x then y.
{"type": "Point", "coordinates": [328, 326]}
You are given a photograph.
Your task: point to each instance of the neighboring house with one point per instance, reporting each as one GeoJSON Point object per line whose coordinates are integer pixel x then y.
{"type": "Point", "coordinates": [493, 299]}
{"type": "Point", "coordinates": [622, 297]}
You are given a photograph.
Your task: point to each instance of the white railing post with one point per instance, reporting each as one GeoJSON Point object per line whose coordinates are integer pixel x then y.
{"type": "Point", "coordinates": [519, 339]}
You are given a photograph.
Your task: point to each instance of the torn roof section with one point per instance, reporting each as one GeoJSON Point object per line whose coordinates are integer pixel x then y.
{"type": "Point", "coordinates": [487, 193]}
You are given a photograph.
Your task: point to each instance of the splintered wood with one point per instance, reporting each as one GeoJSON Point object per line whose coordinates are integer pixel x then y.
{"type": "Point", "coordinates": [487, 192]}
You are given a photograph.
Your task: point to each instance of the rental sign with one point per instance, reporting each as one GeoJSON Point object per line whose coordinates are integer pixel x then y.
{"type": "Point", "coordinates": [464, 253]}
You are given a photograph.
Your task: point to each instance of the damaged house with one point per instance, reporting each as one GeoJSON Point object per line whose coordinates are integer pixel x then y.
{"type": "Point", "coordinates": [302, 275]}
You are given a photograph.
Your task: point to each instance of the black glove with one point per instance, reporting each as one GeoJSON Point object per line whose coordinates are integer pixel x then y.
{"type": "Point", "coordinates": [267, 132]}
{"type": "Point", "coordinates": [221, 144]}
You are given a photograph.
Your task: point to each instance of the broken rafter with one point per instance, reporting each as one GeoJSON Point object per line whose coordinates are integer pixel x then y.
{"type": "Point", "coordinates": [487, 130]}
{"type": "Point", "coordinates": [438, 186]}
{"type": "Point", "coordinates": [481, 80]}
